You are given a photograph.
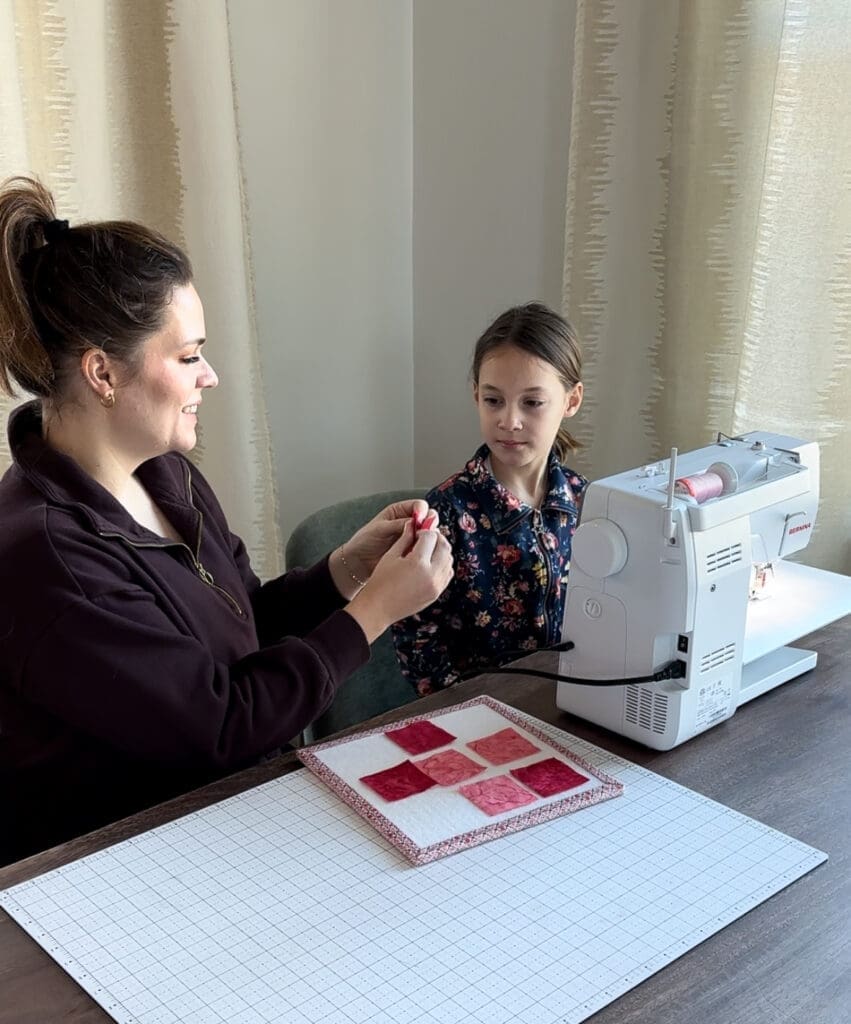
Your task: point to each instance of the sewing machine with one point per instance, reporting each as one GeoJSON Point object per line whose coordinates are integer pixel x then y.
{"type": "Point", "coordinates": [682, 560]}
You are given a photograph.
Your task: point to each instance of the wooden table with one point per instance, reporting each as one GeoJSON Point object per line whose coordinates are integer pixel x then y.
{"type": "Point", "coordinates": [783, 759]}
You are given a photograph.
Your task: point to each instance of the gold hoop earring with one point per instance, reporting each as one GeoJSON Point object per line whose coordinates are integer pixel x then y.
{"type": "Point", "coordinates": [108, 400]}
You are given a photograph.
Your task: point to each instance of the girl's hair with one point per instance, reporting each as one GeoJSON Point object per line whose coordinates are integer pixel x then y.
{"type": "Point", "coordinates": [64, 289]}
{"type": "Point", "coordinates": [538, 330]}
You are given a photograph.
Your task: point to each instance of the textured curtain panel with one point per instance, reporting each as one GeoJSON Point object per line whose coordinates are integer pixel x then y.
{"type": "Point", "coordinates": [708, 231]}
{"type": "Point", "coordinates": [125, 109]}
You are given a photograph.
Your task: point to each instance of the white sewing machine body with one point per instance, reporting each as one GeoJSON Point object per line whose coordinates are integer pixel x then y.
{"type": "Point", "coordinates": [658, 575]}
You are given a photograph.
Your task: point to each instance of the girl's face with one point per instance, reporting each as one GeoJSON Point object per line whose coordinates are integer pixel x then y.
{"type": "Point", "coordinates": [521, 402]}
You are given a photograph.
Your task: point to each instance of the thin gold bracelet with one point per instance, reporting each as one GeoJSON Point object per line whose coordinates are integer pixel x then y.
{"type": "Point", "coordinates": [347, 567]}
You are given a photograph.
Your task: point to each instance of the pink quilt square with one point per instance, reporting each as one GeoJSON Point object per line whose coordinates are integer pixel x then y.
{"type": "Point", "coordinates": [493, 796]}
{"type": "Point", "coordinates": [548, 777]}
{"type": "Point", "coordinates": [503, 746]}
{"type": "Point", "coordinates": [419, 737]}
{"type": "Point", "coordinates": [403, 779]}
{"type": "Point", "coordinates": [449, 767]}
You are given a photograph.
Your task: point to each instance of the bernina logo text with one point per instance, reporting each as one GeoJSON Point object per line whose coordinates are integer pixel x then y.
{"type": "Point", "coordinates": [797, 529]}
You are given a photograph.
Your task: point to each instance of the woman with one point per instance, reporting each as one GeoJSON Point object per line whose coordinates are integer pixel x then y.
{"type": "Point", "coordinates": [139, 654]}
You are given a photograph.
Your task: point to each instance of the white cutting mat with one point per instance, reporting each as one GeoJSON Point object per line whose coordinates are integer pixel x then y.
{"type": "Point", "coordinates": [282, 905]}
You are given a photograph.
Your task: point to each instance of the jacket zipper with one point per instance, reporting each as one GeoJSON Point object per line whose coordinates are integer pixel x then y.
{"type": "Point", "coordinates": [537, 529]}
{"type": "Point", "coordinates": [203, 574]}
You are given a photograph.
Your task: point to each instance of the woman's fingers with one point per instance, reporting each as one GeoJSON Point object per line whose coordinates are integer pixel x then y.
{"type": "Point", "coordinates": [409, 508]}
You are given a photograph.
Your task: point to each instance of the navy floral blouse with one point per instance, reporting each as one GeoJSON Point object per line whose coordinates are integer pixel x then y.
{"type": "Point", "coordinates": [511, 566]}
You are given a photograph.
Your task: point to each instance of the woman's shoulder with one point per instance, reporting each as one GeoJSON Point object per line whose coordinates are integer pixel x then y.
{"type": "Point", "coordinates": [24, 512]}
{"type": "Point", "coordinates": [52, 559]}
{"type": "Point", "coordinates": [43, 542]}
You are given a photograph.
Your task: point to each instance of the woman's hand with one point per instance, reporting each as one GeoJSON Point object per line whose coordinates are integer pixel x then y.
{"type": "Point", "coordinates": [377, 536]}
{"type": "Point", "coordinates": [354, 562]}
{"type": "Point", "coordinates": [411, 575]}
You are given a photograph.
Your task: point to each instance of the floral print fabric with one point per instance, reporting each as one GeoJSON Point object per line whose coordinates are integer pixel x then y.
{"type": "Point", "coordinates": [511, 566]}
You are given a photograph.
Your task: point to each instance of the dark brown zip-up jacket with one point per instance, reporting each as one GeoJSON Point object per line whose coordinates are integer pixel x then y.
{"type": "Point", "coordinates": [133, 667]}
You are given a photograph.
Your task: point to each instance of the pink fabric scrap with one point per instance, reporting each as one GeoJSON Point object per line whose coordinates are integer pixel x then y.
{"type": "Point", "coordinates": [503, 746]}
{"type": "Point", "coordinates": [419, 737]}
{"type": "Point", "coordinates": [396, 783]}
{"type": "Point", "coordinates": [548, 777]}
{"type": "Point", "coordinates": [497, 795]}
{"type": "Point", "coordinates": [449, 767]}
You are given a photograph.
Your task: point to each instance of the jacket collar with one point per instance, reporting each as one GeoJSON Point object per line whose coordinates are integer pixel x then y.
{"type": "Point", "coordinates": [63, 483]}
{"type": "Point", "coordinates": [503, 508]}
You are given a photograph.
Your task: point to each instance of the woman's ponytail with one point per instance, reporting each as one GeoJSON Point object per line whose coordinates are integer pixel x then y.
{"type": "Point", "coordinates": [26, 209]}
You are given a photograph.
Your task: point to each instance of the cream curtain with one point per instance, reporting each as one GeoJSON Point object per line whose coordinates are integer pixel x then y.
{"type": "Point", "coordinates": [125, 108]}
{"type": "Point", "coordinates": [708, 238]}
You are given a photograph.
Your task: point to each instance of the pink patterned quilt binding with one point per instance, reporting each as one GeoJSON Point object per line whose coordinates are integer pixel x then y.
{"type": "Point", "coordinates": [416, 854]}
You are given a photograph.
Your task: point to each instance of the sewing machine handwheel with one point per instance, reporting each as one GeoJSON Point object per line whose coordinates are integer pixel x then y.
{"type": "Point", "coordinates": [599, 548]}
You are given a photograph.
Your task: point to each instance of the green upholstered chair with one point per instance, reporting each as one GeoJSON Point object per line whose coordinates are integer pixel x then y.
{"type": "Point", "coordinates": [378, 686]}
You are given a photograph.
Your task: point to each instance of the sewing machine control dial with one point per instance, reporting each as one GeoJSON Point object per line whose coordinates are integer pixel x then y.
{"type": "Point", "coordinates": [599, 548]}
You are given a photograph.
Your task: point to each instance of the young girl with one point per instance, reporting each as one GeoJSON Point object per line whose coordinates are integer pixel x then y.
{"type": "Point", "coordinates": [511, 512]}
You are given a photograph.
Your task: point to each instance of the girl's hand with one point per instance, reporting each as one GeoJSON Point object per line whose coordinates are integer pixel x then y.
{"type": "Point", "coordinates": [411, 575]}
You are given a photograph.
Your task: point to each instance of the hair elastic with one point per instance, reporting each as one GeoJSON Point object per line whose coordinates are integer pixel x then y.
{"type": "Point", "coordinates": [54, 230]}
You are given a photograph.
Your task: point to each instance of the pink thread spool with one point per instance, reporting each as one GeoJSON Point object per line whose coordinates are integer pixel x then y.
{"type": "Point", "coordinates": [701, 486]}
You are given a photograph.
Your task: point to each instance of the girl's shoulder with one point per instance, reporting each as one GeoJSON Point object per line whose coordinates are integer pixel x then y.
{"type": "Point", "coordinates": [566, 482]}
{"type": "Point", "coordinates": [462, 487]}
{"type": "Point", "coordinates": [576, 481]}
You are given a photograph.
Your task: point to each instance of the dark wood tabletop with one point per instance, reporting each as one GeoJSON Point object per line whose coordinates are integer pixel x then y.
{"type": "Point", "coordinates": [782, 759]}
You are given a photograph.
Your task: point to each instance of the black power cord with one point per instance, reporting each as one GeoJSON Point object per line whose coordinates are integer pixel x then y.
{"type": "Point", "coordinates": [673, 670]}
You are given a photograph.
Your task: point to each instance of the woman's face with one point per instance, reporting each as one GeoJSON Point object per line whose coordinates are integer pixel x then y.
{"type": "Point", "coordinates": [156, 410]}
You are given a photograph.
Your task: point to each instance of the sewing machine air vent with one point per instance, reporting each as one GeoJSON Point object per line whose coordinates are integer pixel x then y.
{"type": "Point", "coordinates": [717, 657]}
{"type": "Point", "coordinates": [646, 709]}
{"type": "Point", "coordinates": [723, 557]}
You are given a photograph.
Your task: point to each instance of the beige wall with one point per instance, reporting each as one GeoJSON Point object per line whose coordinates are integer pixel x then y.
{"type": "Point", "coordinates": [492, 90]}
{"type": "Point", "coordinates": [405, 166]}
{"type": "Point", "coordinates": [324, 95]}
